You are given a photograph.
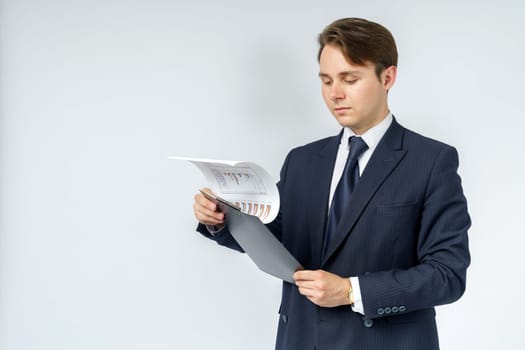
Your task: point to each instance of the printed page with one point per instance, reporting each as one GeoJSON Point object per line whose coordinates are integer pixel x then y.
{"type": "Point", "coordinates": [244, 184]}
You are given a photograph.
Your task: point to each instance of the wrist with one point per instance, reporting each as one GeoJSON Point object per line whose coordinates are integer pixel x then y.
{"type": "Point", "coordinates": [350, 293]}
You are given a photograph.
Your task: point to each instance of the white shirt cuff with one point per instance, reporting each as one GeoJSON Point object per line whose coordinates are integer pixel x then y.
{"type": "Point", "coordinates": [358, 301]}
{"type": "Point", "coordinates": [213, 230]}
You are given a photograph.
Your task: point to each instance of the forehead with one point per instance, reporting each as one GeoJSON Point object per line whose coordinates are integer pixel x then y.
{"type": "Point", "coordinates": [332, 62]}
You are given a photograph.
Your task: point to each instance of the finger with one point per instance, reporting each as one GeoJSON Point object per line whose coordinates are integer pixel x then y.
{"type": "Point", "coordinates": [201, 200]}
{"type": "Point", "coordinates": [309, 293]}
{"type": "Point", "coordinates": [206, 201]}
{"type": "Point", "coordinates": [310, 285]}
{"type": "Point", "coordinates": [301, 275]}
{"type": "Point", "coordinates": [315, 298]}
{"type": "Point", "coordinates": [206, 206]}
{"type": "Point", "coordinates": [209, 221]}
{"type": "Point", "coordinates": [306, 275]}
{"type": "Point", "coordinates": [206, 212]}
{"type": "Point", "coordinates": [208, 217]}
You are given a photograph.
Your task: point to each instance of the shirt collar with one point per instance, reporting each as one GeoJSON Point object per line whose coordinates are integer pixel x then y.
{"type": "Point", "coordinates": [372, 136]}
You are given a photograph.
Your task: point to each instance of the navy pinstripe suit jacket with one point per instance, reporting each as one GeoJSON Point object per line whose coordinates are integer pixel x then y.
{"type": "Point", "coordinates": [404, 235]}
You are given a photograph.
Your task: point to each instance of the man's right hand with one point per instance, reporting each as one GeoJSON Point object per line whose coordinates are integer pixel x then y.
{"type": "Point", "coordinates": [206, 211]}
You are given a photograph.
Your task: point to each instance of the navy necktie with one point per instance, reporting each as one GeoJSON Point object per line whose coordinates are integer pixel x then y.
{"type": "Point", "coordinates": [344, 188]}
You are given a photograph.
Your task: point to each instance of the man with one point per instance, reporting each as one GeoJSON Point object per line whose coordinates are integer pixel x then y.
{"type": "Point", "coordinates": [383, 234]}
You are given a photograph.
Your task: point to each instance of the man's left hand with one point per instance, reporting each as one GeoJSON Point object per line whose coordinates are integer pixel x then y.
{"type": "Point", "coordinates": [323, 288]}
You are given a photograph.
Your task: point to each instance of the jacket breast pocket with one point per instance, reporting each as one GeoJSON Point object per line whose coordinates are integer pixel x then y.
{"type": "Point", "coordinates": [397, 209]}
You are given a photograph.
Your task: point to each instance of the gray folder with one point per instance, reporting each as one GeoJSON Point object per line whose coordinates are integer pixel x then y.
{"type": "Point", "coordinates": [257, 241]}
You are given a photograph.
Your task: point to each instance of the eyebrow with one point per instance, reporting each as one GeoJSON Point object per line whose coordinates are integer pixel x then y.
{"type": "Point", "coordinates": [341, 74]}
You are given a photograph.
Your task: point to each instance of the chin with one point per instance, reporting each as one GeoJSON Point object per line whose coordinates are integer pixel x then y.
{"type": "Point", "coordinates": [346, 121]}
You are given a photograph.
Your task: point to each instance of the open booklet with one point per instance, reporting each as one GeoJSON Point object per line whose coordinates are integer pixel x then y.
{"type": "Point", "coordinates": [248, 197]}
{"type": "Point", "coordinates": [244, 185]}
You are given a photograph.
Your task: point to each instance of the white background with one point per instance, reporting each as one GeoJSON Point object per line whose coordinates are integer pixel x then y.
{"type": "Point", "coordinates": [97, 241]}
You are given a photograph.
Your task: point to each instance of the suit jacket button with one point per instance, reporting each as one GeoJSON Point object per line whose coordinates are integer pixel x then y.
{"type": "Point", "coordinates": [284, 318]}
{"type": "Point", "coordinates": [395, 309]}
{"type": "Point", "coordinates": [380, 311]}
{"type": "Point", "coordinates": [368, 323]}
{"type": "Point", "coordinates": [402, 308]}
{"type": "Point", "coordinates": [388, 310]}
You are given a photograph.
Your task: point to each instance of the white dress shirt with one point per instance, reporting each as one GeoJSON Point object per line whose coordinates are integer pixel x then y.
{"type": "Point", "coordinates": [371, 138]}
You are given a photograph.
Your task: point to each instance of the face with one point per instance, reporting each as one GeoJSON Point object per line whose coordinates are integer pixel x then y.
{"type": "Point", "coordinates": [353, 93]}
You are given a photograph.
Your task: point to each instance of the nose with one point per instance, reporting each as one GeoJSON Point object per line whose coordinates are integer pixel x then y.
{"type": "Point", "coordinates": [336, 92]}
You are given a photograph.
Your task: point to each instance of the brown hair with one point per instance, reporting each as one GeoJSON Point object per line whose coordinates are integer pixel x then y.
{"type": "Point", "coordinates": [361, 41]}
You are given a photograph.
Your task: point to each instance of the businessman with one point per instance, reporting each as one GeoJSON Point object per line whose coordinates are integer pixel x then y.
{"type": "Point", "coordinates": [375, 214]}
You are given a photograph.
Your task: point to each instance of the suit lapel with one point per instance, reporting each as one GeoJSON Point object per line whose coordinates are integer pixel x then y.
{"type": "Point", "coordinates": [385, 158]}
{"type": "Point", "coordinates": [323, 166]}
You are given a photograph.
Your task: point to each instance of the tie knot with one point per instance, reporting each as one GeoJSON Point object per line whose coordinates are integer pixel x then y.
{"type": "Point", "coordinates": [357, 147]}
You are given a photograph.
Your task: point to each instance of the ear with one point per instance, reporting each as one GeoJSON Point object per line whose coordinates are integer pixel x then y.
{"type": "Point", "coordinates": [389, 77]}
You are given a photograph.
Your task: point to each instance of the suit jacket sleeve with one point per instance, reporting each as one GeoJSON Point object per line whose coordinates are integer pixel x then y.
{"type": "Point", "coordinates": [442, 250]}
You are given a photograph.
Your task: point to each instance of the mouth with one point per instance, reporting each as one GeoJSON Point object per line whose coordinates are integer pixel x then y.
{"type": "Point", "coordinates": [342, 109]}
